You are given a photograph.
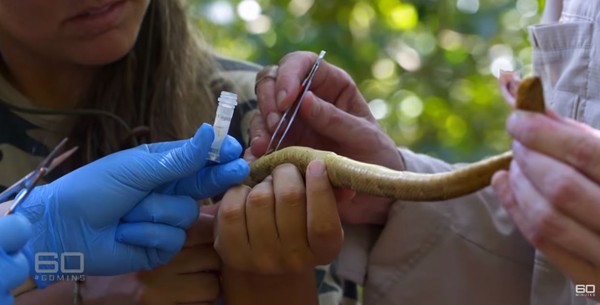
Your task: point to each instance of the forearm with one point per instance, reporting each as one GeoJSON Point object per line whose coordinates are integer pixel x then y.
{"type": "Point", "coordinates": [59, 293]}
{"type": "Point", "coordinates": [241, 288]}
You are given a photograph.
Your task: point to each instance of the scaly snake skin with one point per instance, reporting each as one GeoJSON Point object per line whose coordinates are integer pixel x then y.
{"type": "Point", "coordinates": [381, 181]}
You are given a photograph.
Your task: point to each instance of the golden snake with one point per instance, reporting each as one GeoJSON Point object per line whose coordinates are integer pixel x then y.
{"type": "Point", "coordinates": [381, 181]}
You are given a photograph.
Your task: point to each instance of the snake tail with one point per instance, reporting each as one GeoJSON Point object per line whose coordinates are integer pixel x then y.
{"type": "Point", "coordinates": [381, 181]}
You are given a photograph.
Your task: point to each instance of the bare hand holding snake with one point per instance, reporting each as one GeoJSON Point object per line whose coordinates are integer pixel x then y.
{"type": "Point", "coordinates": [344, 130]}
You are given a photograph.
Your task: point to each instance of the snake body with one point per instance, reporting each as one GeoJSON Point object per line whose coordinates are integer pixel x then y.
{"type": "Point", "coordinates": [381, 181]}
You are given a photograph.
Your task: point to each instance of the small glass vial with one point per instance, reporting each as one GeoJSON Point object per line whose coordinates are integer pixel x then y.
{"type": "Point", "coordinates": [227, 103]}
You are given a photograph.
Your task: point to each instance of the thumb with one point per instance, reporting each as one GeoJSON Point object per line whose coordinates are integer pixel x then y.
{"type": "Point", "coordinates": [15, 231]}
{"type": "Point", "coordinates": [328, 120]}
{"type": "Point", "coordinates": [184, 160]}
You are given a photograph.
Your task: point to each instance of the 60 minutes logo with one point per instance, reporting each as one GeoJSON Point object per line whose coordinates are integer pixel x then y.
{"type": "Point", "coordinates": [585, 290]}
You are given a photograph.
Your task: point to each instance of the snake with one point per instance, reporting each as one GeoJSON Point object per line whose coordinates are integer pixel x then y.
{"type": "Point", "coordinates": [376, 180]}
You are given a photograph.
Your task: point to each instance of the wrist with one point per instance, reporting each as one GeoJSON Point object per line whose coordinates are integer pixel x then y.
{"type": "Point", "coordinates": [246, 288]}
{"type": "Point", "coordinates": [42, 250]}
{"type": "Point", "coordinates": [48, 265]}
{"type": "Point", "coordinates": [25, 287]}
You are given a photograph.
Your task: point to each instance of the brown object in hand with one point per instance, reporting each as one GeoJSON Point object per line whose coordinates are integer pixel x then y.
{"type": "Point", "coordinates": [381, 181]}
{"type": "Point", "coordinates": [530, 95]}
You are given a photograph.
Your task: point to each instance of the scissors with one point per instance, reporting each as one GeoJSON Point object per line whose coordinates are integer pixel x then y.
{"type": "Point", "coordinates": [304, 86]}
{"type": "Point", "coordinates": [23, 187]}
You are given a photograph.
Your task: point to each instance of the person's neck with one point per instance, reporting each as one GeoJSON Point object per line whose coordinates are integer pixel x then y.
{"type": "Point", "coordinates": [44, 82]}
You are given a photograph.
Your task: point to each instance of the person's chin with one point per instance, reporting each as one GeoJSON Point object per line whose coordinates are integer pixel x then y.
{"type": "Point", "coordinates": [104, 52]}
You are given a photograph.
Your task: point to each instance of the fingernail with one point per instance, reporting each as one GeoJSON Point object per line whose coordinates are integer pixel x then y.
{"type": "Point", "coordinates": [517, 117]}
{"type": "Point", "coordinates": [280, 97]}
{"type": "Point", "coordinates": [249, 156]}
{"type": "Point", "coordinates": [316, 168]}
{"type": "Point", "coordinates": [272, 120]}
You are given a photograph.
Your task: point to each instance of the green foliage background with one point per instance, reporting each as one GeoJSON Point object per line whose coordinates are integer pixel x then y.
{"type": "Point", "coordinates": [426, 63]}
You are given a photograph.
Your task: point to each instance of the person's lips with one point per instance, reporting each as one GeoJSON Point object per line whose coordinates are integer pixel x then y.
{"type": "Point", "coordinates": [97, 11]}
{"type": "Point", "coordinates": [98, 18]}
{"type": "Point", "coordinates": [94, 10]}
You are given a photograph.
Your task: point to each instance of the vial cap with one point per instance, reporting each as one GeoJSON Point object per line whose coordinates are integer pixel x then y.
{"type": "Point", "coordinates": [228, 99]}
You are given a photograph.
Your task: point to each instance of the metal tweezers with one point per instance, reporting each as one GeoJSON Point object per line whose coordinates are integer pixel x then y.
{"type": "Point", "coordinates": [23, 187]}
{"type": "Point", "coordinates": [304, 86]}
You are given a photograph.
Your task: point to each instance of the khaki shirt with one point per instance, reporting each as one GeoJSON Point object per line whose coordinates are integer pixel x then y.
{"type": "Point", "coordinates": [467, 250]}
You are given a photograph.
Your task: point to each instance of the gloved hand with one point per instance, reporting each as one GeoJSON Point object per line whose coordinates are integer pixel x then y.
{"type": "Point", "coordinates": [127, 211]}
{"type": "Point", "coordinates": [15, 230]}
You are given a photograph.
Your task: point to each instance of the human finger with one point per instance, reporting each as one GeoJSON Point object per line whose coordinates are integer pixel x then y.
{"type": "Point", "coordinates": [162, 242]}
{"type": "Point", "coordinates": [231, 150]}
{"type": "Point", "coordinates": [509, 82]}
{"type": "Point", "coordinates": [576, 268]}
{"type": "Point", "coordinates": [201, 231]}
{"type": "Point", "coordinates": [333, 122]}
{"type": "Point", "coordinates": [15, 230]}
{"type": "Point", "coordinates": [162, 146]}
{"type": "Point", "coordinates": [290, 211]}
{"type": "Point", "coordinates": [562, 186]}
{"type": "Point", "coordinates": [325, 234]}
{"type": "Point", "coordinates": [577, 146]}
{"type": "Point", "coordinates": [178, 211]}
{"type": "Point", "coordinates": [210, 209]}
{"type": "Point", "coordinates": [262, 227]}
{"type": "Point", "coordinates": [330, 82]}
{"type": "Point", "coordinates": [547, 223]}
{"type": "Point", "coordinates": [148, 170]}
{"type": "Point", "coordinates": [6, 298]}
{"type": "Point", "coordinates": [15, 270]}
{"type": "Point", "coordinates": [502, 189]}
{"type": "Point", "coordinates": [249, 156]}
{"type": "Point", "coordinates": [266, 96]}
{"type": "Point", "coordinates": [260, 136]}
{"type": "Point", "coordinates": [182, 161]}
{"type": "Point", "coordinates": [231, 233]}
{"type": "Point", "coordinates": [189, 158]}
{"type": "Point", "coordinates": [344, 195]}
{"type": "Point", "coordinates": [211, 180]}
{"type": "Point", "coordinates": [292, 68]}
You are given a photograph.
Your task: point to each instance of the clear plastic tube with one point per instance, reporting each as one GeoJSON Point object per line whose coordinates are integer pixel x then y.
{"type": "Point", "coordinates": [227, 103]}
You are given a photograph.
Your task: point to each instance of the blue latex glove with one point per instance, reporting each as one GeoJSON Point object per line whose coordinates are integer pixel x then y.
{"type": "Point", "coordinates": [127, 211]}
{"type": "Point", "coordinates": [15, 230]}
